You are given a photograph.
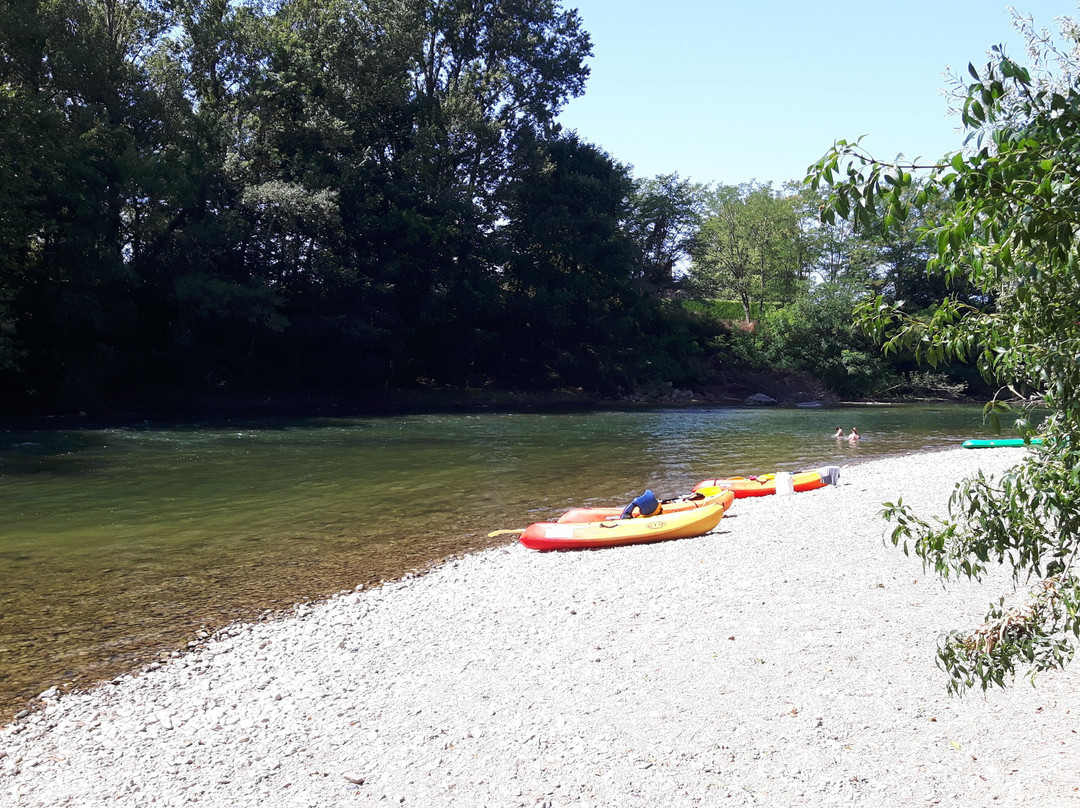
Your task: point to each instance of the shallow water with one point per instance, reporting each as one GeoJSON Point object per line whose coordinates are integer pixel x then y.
{"type": "Point", "coordinates": [118, 544]}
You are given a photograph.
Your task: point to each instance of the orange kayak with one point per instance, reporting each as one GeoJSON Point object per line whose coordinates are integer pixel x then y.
{"type": "Point", "coordinates": [617, 532]}
{"type": "Point", "coordinates": [699, 499]}
{"type": "Point", "coordinates": [765, 484]}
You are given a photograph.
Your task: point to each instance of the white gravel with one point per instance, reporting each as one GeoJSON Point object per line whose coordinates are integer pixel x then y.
{"type": "Point", "coordinates": [785, 659]}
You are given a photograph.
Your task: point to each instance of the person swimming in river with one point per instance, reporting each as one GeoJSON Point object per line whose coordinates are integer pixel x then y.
{"type": "Point", "coordinates": [854, 436]}
{"type": "Point", "coordinates": [839, 432]}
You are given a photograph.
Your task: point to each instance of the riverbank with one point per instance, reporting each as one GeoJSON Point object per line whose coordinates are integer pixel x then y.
{"type": "Point", "coordinates": [785, 659]}
{"type": "Point", "coordinates": [727, 388]}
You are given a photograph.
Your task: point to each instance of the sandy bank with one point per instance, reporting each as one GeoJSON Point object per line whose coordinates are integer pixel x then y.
{"type": "Point", "coordinates": [785, 659]}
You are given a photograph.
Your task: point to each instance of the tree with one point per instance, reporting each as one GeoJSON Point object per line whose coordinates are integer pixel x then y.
{"type": "Point", "coordinates": [81, 130]}
{"type": "Point", "coordinates": [1011, 232]}
{"type": "Point", "coordinates": [573, 294]}
{"type": "Point", "coordinates": [666, 212]}
{"type": "Point", "coordinates": [815, 334]}
{"type": "Point", "coordinates": [485, 72]}
{"type": "Point", "coordinates": [747, 246]}
{"type": "Point", "coordinates": [345, 167]}
{"type": "Point", "coordinates": [835, 252]}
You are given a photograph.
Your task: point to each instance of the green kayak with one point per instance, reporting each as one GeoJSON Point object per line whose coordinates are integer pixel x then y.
{"type": "Point", "coordinates": [998, 443]}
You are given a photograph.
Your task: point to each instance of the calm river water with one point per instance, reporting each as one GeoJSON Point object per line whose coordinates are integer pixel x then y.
{"type": "Point", "coordinates": [117, 544]}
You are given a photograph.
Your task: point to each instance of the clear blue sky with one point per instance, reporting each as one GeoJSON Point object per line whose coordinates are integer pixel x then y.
{"type": "Point", "coordinates": [722, 91]}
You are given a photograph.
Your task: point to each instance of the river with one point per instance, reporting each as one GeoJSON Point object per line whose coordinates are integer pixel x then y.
{"type": "Point", "coordinates": [118, 544]}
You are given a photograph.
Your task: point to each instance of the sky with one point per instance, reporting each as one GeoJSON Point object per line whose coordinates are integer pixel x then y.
{"type": "Point", "coordinates": [732, 92]}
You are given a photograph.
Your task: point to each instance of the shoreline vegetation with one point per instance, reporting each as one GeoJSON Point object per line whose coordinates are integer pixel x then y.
{"type": "Point", "coordinates": [742, 667]}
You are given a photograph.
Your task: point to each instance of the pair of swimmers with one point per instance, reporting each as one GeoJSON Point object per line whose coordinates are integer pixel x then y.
{"type": "Point", "coordinates": [854, 436]}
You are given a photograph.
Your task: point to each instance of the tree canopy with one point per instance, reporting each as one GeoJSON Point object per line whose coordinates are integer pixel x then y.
{"type": "Point", "coordinates": [312, 195]}
{"type": "Point", "coordinates": [1009, 234]}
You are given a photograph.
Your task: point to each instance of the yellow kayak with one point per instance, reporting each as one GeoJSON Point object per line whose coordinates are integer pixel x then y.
{"type": "Point", "coordinates": [613, 533]}
{"type": "Point", "coordinates": [699, 499]}
{"type": "Point", "coordinates": [765, 484]}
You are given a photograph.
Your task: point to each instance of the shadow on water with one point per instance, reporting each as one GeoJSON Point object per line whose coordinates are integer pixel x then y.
{"type": "Point", "coordinates": [118, 544]}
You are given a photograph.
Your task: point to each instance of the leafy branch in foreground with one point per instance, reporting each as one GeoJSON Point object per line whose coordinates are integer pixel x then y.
{"type": "Point", "coordinates": [1011, 233]}
{"type": "Point", "coordinates": [1026, 521]}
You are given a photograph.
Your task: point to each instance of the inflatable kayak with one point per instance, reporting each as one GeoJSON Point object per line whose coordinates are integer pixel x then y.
{"type": "Point", "coordinates": [999, 443]}
{"type": "Point", "coordinates": [617, 532]}
{"type": "Point", "coordinates": [700, 499]}
{"type": "Point", "coordinates": [766, 483]}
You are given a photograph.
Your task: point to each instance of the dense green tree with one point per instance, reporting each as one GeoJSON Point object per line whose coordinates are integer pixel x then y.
{"type": "Point", "coordinates": [317, 195]}
{"type": "Point", "coordinates": [666, 212]}
{"type": "Point", "coordinates": [748, 245]}
{"type": "Point", "coordinates": [1011, 232]}
{"type": "Point", "coordinates": [836, 252]}
{"type": "Point", "coordinates": [409, 117]}
{"type": "Point", "coordinates": [87, 127]}
{"type": "Point", "coordinates": [485, 72]}
{"type": "Point", "coordinates": [208, 193]}
{"type": "Point", "coordinates": [816, 335]}
{"type": "Point", "coordinates": [29, 140]}
{"type": "Point", "coordinates": [893, 261]}
{"type": "Point", "coordinates": [848, 265]}
{"type": "Point", "coordinates": [572, 280]}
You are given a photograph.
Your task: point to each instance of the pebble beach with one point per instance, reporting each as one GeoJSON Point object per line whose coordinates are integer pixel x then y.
{"type": "Point", "coordinates": [787, 658]}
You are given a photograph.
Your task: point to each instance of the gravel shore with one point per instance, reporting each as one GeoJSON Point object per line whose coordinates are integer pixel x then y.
{"type": "Point", "coordinates": [786, 659]}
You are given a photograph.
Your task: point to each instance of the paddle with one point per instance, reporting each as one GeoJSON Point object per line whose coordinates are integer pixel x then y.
{"type": "Point", "coordinates": [495, 533]}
